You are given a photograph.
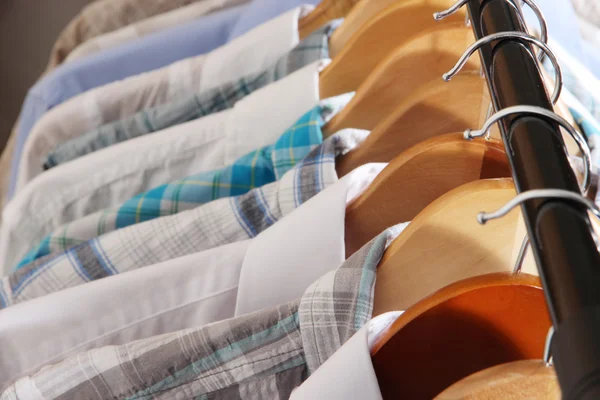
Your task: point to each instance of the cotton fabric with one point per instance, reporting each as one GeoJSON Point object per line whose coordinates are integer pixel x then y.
{"type": "Point", "coordinates": [213, 224]}
{"type": "Point", "coordinates": [270, 352]}
{"type": "Point", "coordinates": [249, 54]}
{"type": "Point", "coordinates": [255, 169]}
{"type": "Point", "coordinates": [109, 177]}
{"type": "Point", "coordinates": [186, 108]}
{"type": "Point", "coordinates": [196, 289]}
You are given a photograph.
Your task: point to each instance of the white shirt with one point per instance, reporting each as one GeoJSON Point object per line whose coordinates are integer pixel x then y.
{"type": "Point", "coordinates": [150, 25]}
{"type": "Point", "coordinates": [109, 177]}
{"type": "Point", "coordinates": [248, 54]}
{"type": "Point", "coordinates": [348, 373]}
{"type": "Point", "coordinates": [274, 268]}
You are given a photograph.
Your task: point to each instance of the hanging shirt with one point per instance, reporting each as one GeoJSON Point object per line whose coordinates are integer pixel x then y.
{"type": "Point", "coordinates": [266, 354]}
{"type": "Point", "coordinates": [264, 165]}
{"type": "Point", "coordinates": [210, 225]}
{"type": "Point", "coordinates": [156, 23]}
{"type": "Point", "coordinates": [186, 108]}
{"type": "Point", "coordinates": [109, 177]}
{"type": "Point", "coordinates": [195, 290]}
{"type": "Point", "coordinates": [249, 54]}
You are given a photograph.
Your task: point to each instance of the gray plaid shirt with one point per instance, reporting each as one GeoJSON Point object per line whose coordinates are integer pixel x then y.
{"type": "Point", "coordinates": [261, 355]}
{"type": "Point", "coordinates": [313, 48]}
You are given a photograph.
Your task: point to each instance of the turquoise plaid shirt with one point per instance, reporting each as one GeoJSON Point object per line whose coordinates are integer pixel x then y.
{"type": "Point", "coordinates": [255, 169]}
{"type": "Point", "coordinates": [313, 48]}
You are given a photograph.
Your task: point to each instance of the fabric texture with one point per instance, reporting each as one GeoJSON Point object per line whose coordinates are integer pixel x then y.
{"type": "Point", "coordinates": [589, 10]}
{"type": "Point", "coordinates": [213, 224]}
{"type": "Point", "coordinates": [195, 290]}
{"type": "Point", "coordinates": [260, 167]}
{"type": "Point", "coordinates": [155, 23]}
{"type": "Point", "coordinates": [149, 53]}
{"type": "Point", "coordinates": [249, 54]}
{"type": "Point", "coordinates": [104, 16]}
{"type": "Point", "coordinates": [314, 47]}
{"type": "Point", "coordinates": [269, 352]}
{"type": "Point", "coordinates": [107, 178]}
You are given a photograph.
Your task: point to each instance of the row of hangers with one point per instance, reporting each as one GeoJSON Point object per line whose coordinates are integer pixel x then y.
{"type": "Point", "coordinates": [475, 326]}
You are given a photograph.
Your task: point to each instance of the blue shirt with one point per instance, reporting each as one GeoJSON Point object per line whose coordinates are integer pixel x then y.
{"type": "Point", "coordinates": [151, 52]}
{"type": "Point", "coordinates": [263, 10]}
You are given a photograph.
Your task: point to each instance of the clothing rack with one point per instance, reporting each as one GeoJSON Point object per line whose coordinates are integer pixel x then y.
{"type": "Point", "coordinates": [560, 231]}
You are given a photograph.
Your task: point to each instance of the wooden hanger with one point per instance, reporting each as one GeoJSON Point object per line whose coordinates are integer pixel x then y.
{"type": "Point", "coordinates": [444, 243]}
{"type": "Point", "coordinates": [518, 380]}
{"type": "Point", "coordinates": [466, 327]}
{"type": "Point", "coordinates": [437, 108]}
{"type": "Point", "coordinates": [357, 48]}
{"type": "Point", "coordinates": [413, 62]}
{"type": "Point", "coordinates": [417, 177]}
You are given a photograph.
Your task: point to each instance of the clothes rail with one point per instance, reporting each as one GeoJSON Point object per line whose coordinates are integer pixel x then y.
{"type": "Point", "coordinates": [562, 240]}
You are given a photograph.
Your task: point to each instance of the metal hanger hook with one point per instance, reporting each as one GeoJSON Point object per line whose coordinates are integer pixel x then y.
{"type": "Point", "coordinates": [438, 16]}
{"type": "Point", "coordinates": [510, 35]}
{"type": "Point", "coordinates": [548, 361]}
{"type": "Point", "coordinates": [534, 110]}
{"type": "Point", "coordinates": [484, 217]}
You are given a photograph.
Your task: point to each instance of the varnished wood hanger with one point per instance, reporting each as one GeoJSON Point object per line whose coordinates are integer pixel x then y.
{"type": "Point", "coordinates": [518, 380]}
{"type": "Point", "coordinates": [435, 109]}
{"type": "Point", "coordinates": [444, 243]}
{"type": "Point", "coordinates": [466, 327]}
{"type": "Point", "coordinates": [417, 177]}
{"type": "Point", "coordinates": [411, 63]}
{"type": "Point", "coordinates": [357, 47]}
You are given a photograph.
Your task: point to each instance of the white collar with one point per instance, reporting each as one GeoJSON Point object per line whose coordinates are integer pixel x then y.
{"type": "Point", "coordinates": [348, 373]}
{"type": "Point", "coordinates": [301, 87]}
{"type": "Point", "coordinates": [309, 242]}
{"type": "Point", "coordinates": [222, 64]}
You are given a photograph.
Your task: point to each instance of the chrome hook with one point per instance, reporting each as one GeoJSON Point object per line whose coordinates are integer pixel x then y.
{"type": "Point", "coordinates": [510, 35]}
{"type": "Point", "coordinates": [438, 16]}
{"type": "Point", "coordinates": [484, 217]}
{"type": "Point", "coordinates": [578, 137]}
{"type": "Point", "coordinates": [548, 361]}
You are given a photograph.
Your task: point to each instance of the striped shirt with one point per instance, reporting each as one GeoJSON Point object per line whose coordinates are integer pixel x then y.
{"type": "Point", "coordinates": [261, 355]}
{"type": "Point", "coordinates": [262, 166]}
{"type": "Point", "coordinates": [313, 48]}
{"type": "Point", "coordinates": [213, 224]}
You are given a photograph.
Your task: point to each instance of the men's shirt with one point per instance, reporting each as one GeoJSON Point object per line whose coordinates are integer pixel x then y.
{"type": "Point", "coordinates": [146, 26]}
{"type": "Point", "coordinates": [266, 354]}
{"type": "Point", "coordinates": [590, 10]}
{"type": "Point", "coordinates": [183, 109]}
{"type": "Point", "coordinates": [104, 16]}
{"type": "Point", "coordinates": [196, 289]}
{"type": "Point", "coordinates": [249, 54]}
{"type": "Point", "coordinates": [255, 169]}
{"type": "Point", "coordinates": [213, 224]}
{"type": "Point", "coordinates": [109, 177]}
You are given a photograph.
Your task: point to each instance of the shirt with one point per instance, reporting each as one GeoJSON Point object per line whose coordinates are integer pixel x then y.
{"type": "Point", "coordinates": [314, 47]}
{"type": "Point", "coordinates": [257, 50]}
{"type": "Point", "coordinates": [109, 177]}
{"type": "Point", "coordinates": [213, 224]}
{"type": "Point", "coordinates": [196, 289]}
{"type": "Point", "coordinates": [589, 10]}
{"type": "Point", "coordinates": [104, 16]}
{"type": "Point", "coordinates": [152, 52]}
{"type": "Point", "coordinates": [144, 27]}
{"type": "Point", "coordinates": [265, 354]}
{"type": "Point", "coordinates": [255, 169]}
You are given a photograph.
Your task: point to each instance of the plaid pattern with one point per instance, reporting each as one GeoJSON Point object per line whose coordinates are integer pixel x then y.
{"type": "Point", "coordinates": [214, 224]}
{"type": "Point", "coordinates": [315, 47]}
{"type": "Point", "coordinates": [262, 355]}
{"type": "Point", "coordinates": [262, 166]}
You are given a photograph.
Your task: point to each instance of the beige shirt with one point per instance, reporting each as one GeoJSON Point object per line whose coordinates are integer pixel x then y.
{"type": "Point", "coordinates": [150, 25]}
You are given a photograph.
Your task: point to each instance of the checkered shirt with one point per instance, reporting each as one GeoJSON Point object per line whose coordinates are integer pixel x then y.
{"type": "Point", "coordinates": [262, 166]}
{"type": "Point", "coordinates": [210, 225]}
{"type": "Point", "coordinates": [315, 47]}
{"type": "Point", "coordinates": [261, 355]}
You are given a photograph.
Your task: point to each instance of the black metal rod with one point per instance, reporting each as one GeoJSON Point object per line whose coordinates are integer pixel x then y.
{"type": "Point", "coordinates": [560, 232]}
